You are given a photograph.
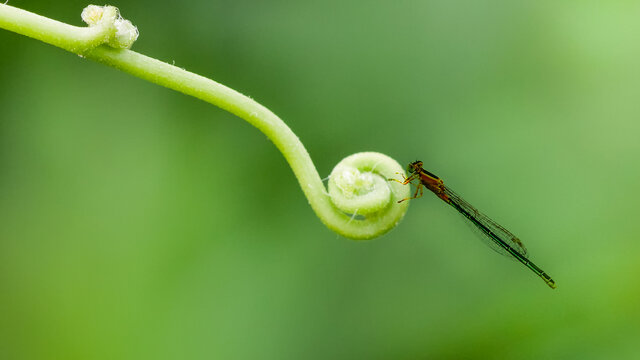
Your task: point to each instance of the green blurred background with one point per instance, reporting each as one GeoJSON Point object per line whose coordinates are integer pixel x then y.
{"type": "Point", "coordinates": [138, 223]}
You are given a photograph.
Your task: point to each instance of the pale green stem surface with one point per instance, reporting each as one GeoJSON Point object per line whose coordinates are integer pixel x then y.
{"type": "Point", "coordinates": [360, 203]}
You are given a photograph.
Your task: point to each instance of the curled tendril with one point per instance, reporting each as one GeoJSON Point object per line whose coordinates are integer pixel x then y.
{"type": "Point", "coordinates": [358, 188]}
{"type": "Point", "coordinates": [360, 202]}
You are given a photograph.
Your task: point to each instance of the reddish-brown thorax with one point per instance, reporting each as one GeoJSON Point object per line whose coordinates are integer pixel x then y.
{"type": "Point", "coordinates": [436, 185]}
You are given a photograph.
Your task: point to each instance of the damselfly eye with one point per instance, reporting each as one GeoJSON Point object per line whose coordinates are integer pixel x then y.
{"type": "Point", "coordinates": [414, 166]}
{"type": "Point", "coordinates": [410, 168]}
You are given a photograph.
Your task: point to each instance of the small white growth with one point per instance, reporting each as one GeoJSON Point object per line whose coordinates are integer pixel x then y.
{"type": "Point", "coordinates": [125, 32]}
{"type": "Point", "coordinates": [353, 182]}
{"type": "Point", "coordinates": [92, 14]}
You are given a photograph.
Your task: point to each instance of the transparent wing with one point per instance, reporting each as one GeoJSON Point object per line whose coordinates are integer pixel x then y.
{"type": "Point", "coordinates": [491, 231]}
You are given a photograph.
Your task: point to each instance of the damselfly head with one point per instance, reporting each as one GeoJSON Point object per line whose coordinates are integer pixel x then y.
{"type": "Point", "coordinates": [414, 166]}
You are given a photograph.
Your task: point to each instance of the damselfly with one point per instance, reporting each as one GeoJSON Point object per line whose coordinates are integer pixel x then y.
{"type": "Point", "coordinates": [500, 238]}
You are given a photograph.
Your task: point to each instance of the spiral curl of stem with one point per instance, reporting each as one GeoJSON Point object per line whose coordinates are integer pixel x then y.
{"type": "Point", "coordinates": [359, 189]}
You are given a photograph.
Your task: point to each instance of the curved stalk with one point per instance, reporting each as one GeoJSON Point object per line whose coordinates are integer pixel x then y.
{"type": "Point", "coordinates": [360, 203]}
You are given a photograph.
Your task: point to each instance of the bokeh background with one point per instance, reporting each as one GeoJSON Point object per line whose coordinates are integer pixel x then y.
{"type": "Point", "coordinates": [139, 223]}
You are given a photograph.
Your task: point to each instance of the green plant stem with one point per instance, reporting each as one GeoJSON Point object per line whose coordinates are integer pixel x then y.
{"type": "Point", "coordinates": [71, 38]}
{"type": "Point", "coordinates": [376, 219]}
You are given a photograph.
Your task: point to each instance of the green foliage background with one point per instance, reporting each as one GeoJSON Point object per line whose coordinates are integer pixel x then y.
{"type": "Point", "coordinates": [138, 223]}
